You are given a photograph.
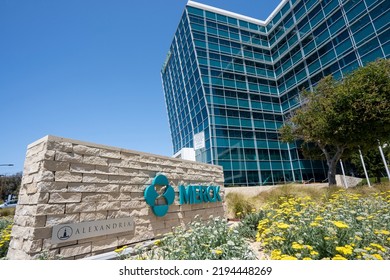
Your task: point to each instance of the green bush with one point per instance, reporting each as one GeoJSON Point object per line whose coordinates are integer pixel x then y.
{"type": "Point", "coordinates": [248, 225]}
{"type": "Point", "coordinates": [238, 205]}
{"type": "Point", "coordinates": [7, 212]}
{"type": "Point", "coordinates": [212, 240]}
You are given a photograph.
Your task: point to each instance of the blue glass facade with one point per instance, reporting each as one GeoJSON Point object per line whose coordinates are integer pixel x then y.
{"type": "Point", "coordinates": [237, 79]}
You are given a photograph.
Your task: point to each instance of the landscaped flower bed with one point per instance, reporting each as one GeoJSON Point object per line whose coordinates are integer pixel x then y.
{"type": "Point", "coordinates": [212, 240]}
{"type": "Point", "coordinates": [5, 235]}
{"type": "Point", "coordinates": [347, 226]}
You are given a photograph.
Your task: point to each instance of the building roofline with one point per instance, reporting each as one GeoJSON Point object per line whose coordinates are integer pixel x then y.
{"type": "Point", "coordinates": [224, 12]}
{"type": "Point", "coordinates": [277, 9]}
{"type": "Point", "coordinates": [235, 15]}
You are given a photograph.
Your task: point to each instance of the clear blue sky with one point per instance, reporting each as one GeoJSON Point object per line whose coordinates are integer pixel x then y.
{"type": "Point", "coordinates": [90, 70]}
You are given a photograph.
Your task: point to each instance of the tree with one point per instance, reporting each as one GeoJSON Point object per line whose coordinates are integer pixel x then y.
{"type": "Point", "coordinates": [10, 185]}
{"type": "Point", "coordinates": [373, 162]}
{"type": "Point", "coordinates": [344, 115]}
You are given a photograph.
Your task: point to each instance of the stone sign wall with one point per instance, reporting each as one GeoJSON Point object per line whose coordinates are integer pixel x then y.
{"type": "Point", "coordinates": [72, 183]}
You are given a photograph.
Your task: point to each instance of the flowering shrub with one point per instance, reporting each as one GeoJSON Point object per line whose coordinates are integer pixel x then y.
{"type": "Point", "coordinates": [347, 226]}
{"type": "Point", "coordinates": [213, 240]}
{"type": "Point", "coordinates": [248, 224]}
{"type": "Point", "coordinates": [5, 236]}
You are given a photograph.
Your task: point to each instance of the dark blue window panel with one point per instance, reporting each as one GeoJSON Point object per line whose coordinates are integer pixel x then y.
{"type": "Point", "coordinates": [356, 11]}
{"type": "Point", "coordinates": [373, 55]}
{"type": "Point", "coordinates": [385, 36]}
{"type": "Point", "coordinates": [299, 13]}
{"type": "Point", "coordinates": [310, 3]}
{"type": "Point", "coordinates": [382, 22]}
{"type": "Point", "coordinates": [360, 23]}
{"type": "Point", "coordinates": [386, 49]}
{"type": "Point", "coordinates": [343, 47]}
{"type": "Point", "coordinates": [336, 26]}
{"type": "Point", "coordinates": [348, 5]}
{"type": "Point", "coordinates": [383, 7]}
{"type": "Point", "coordinates": [371, 2]}
{"type": "Point", "coordinates": [363, 33]}
{"type": "Point", "coordinates": [195, 11]}
{"type": "Point", "coordinates": [330, 7]}
{"type": "Point", "coordinates": [318, 18]}
{"type": "Point", "coordinates": [367, 47]}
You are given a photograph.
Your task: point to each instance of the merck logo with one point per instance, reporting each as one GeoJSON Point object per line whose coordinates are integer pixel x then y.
{"type": "Point", "coordinates": [159, 195]}
{"type": "Point", "coordinates": [199, 194]}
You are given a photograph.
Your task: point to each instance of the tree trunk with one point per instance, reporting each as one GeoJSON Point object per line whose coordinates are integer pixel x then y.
{"type": "Point", "coordinates": [332, 172]}
{"type": "Point", "coordinates": [332, 162]}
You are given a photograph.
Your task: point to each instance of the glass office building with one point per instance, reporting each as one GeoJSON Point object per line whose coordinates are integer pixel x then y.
{"type": "Point", "coordinates": [230, 81]}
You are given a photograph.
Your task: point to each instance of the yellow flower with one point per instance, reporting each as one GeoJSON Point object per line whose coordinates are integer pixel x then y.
{"type": "Point", "coordinates": [314, 253]}
{"type": "Point", "coordinates": [308, 247]}
{"type": "Point", "coordinates": [157, 242]}
{"type": "Point", "coordinates": [217, 252]}
{"type": "Point", "coordinates": [338, 257]}
{"type": "Point", "coordinates": [307, 259]}
{"type": "Point", "coordinates": [253, 210]}
{"type": "Point", "coordinates": [326, 238]}
{"type": "Point", "coordinates": [318, 218]}
{"type": "Point", "coordinates": [346, 250]}
{"type": "Point", "coordinates": [296, 246]}
{"type": "Point", "coordinates": [378, 247]}
{"type": "Point", "coordinates": [314, 224]}
{"type": "Point", "coordinates": [267, 231]}
{"type": "Point", "coordinates": [282, 225]}
{"type": "Point", "coordinates": [278, 238]}
{"type": "Point", "coordinates": [287, 257]}
{"type": "Point", "coordinates": [120, 250]}
{"type": "Point", "coordinates": [276, 254]}
{"type": "Point", "coordinates": [377, 256]}
{"type": "Point", "coordinates": [382, 231]}
{"type": "Point", "coordinates": [340, 224]}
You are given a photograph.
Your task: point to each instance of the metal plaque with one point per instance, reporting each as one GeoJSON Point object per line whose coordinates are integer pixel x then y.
{"type": "Point", "coordinates": [69, 232]}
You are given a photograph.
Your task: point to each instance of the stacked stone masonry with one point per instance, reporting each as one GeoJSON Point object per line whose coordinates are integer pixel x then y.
{"type": "Point", "coordinates": [68, 181]}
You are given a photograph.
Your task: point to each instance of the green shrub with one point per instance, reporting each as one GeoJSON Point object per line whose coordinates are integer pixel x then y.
{"type": "Point", "coordinates": [7, 212]}
{"type": "Point", "coordinates": [248, 225]}
{"type": "Point", "coordinates": [212, 240]}
{"type": "Point", "coordinates": [238, 205]}
{"type": "Point", "coordinates": [274, 194]}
